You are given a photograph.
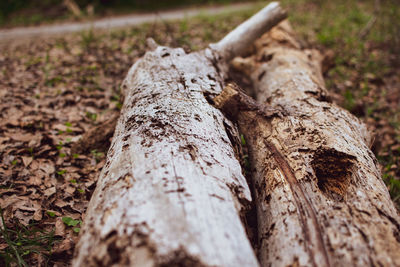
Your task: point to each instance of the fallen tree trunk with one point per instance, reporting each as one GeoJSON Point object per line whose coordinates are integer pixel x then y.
{"type": "Point", "coordinates": [171, 191]}
{"type": "Point", "coordinates": [319, 194]}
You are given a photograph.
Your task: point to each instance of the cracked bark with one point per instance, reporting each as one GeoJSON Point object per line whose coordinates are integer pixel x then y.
{"type": "Point", "coordinates": [172, 191]}
{"type": "Point", "coordinates": [319, 194]}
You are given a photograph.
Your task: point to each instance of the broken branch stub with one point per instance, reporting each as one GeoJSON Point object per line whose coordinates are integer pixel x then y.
{"type": "Point", "coordinates": [238, 41]}
{"type": "Point", "coordinates": [318, 190]}
{"type": "Point", "coordinates": [172, 191]}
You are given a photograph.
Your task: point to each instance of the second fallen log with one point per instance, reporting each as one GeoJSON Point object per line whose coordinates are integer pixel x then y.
{"type": "Point", "coordinates": [319, 194]}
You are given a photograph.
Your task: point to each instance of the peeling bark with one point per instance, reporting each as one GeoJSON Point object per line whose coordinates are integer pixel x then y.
{"type": "Point", "coordinates": [171, 192]}
{"type": "Point", "coordinates": [319, 194]}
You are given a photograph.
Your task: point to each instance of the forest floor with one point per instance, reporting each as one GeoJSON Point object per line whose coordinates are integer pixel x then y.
{"type": "Point", "coordinates": [54, 90]}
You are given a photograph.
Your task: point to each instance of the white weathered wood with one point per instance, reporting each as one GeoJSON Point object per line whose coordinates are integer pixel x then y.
{"type": "Point", "coordinates": [171, 192]}
{"type": "Point", "coordinates": [319, 194]}
{"type": "Point", "coordinates": [237, 41]}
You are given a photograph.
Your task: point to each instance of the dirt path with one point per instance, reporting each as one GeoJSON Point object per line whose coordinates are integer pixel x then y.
{"type": "Point", "coordinates": [115, 22]}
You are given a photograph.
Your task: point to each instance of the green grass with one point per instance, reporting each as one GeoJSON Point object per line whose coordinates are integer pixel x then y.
{"type": "Point", "coordinates": [88, 38]}
{"type": "Point", "coordinates": [23, 241]}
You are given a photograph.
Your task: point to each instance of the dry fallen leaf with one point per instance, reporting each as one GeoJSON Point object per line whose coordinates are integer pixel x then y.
{"type": "Point", "coordinates": [60, 227]}
{"type": "Point", "coordinates": [35, 179]}
{"type": "Point", "coordinates": [49, 192]}
{"type": "Point", "coordinates": [26, 160]}
{"type": "Point", "coordinates": [63, 246]}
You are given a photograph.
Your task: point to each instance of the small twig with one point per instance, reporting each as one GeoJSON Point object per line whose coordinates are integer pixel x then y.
{"type": "Point", "coordinates": [365, 31]}
{"type": "Point", "coordinates": [73, 7]}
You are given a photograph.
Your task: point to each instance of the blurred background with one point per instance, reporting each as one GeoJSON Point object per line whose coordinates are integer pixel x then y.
{"type": "Point", "coordinates": [23, 12]}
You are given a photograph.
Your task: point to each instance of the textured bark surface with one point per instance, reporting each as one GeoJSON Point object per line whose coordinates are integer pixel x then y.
{"type": "Point", "coordinates": [319, 194]}
{"type": "Point", "coordinates": [171, 190]}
